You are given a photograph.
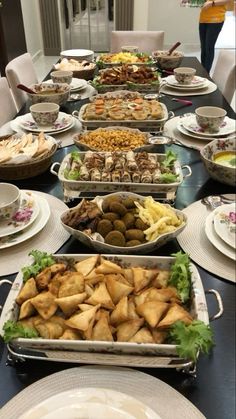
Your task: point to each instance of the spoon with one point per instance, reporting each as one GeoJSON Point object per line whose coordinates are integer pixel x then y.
{"type": "Point", "coordinates": [173, 48]}
{"type": "Point", "coordinates": [26, 89]}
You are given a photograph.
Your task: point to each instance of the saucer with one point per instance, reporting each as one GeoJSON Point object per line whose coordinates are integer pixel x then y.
{"type": "Point", "coordinates": [24, 217]}
{"type": "Point", "coordinates": [190, 124]}
{"type": "Point", "coordinates": [75, 85]}
{"type": "Point", "coordinates": [26, 122]}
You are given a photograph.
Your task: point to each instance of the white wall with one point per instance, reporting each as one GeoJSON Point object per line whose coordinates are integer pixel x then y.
{"type": "Point", "coordinates": [179, 23]}
{"type": "Point", "coordinates": [32, 26]}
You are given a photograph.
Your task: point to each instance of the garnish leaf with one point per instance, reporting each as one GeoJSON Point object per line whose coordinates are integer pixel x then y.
{"type": "Point", "coordinates": [168, 178]}
{"type": "Point", "coordinates": [72, 174]}
{"type": "Point", "coordinates": [41, 261]}
{"type": "Point", "coordinates": [180, 276]}
{"type": "Point", "coordinates": [75, 155]}
{"type": "Point", "coordinates": [13, 330]}
{"type": "Point", "coordinates": [169, 159]}
{"type": "Point", "coordinates": [191, 338]}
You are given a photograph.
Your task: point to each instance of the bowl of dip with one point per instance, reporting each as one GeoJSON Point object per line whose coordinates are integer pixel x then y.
{"type": "Point", "coordinates": [219, 158]}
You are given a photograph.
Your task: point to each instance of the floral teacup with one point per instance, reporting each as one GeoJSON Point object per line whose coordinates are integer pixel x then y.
{"type": "Point", "coordinates": [44, 113]}
{"type": "Point", "coordinates": [9, 200]}
{"type": "Point", "coordinates": [210, 118]}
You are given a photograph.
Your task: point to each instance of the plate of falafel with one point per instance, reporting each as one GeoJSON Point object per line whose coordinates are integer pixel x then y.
{"type": "Point", "coordinates": [124, 223]}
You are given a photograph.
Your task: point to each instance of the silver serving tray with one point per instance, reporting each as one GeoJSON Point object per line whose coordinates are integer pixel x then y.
{"type": "Point", "coordinates": [90, 186]}
{"type": "Point", "coordinates": [198, 310]}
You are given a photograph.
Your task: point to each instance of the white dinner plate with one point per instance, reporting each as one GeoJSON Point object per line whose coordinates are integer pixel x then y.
{"type": "Point", "coordinates": [215, 239]}
{"type": "Point", "coordinates": [224, 225]}
{"type": "Point", "coordinates": [75, 85]}
{"type": "Point", "coordinates": [99, 403]}
{"type": "Point", "coordinates": [37, 225]}
{"type": "Point", "coordinates": [190, 124]}
{"type": "Point", "coordinates": [197, 83]}
{"type": "Point", "coordinates": [149, 393]}
{"type": "Point", "coordinates": [25, 215]}
{"type": "Point", "coordinates": [184, 131]}
{"type": "Point", "coordinates": [25, 122]}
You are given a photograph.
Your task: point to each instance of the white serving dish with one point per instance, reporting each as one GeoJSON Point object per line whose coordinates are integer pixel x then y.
{"type": "Point", "coordinates": [103, 64]}
{"type": "Point", "coordinates": [198, 311]}
{"type": "Point", "coordinates": [100, 246]}
{"type": "Point", "coordinates": [90, 186]}
{"type": "Point", "coordinates": [78, 54]}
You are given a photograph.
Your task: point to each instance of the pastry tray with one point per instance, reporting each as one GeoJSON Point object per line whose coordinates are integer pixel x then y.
{"type": "Point", "coordinates": [91, 186]}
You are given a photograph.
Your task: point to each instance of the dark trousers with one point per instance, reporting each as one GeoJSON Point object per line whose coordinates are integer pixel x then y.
{"type": "Point", "coordinates": [208, 36]}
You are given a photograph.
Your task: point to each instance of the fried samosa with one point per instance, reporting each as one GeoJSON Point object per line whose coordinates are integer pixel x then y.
{"type": "Point", "coordinates": [28, 291]}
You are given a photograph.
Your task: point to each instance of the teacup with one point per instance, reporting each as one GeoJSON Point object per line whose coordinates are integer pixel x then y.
{"type": "Point", "coordinates": [60, 76]}
{"type": "Point", "coordinates": [45, 113]}
{"type": "Point", "coordinates": [210, 117]}
{"type": "Point", "coordinates": [184, 75]}
{"type": "Point", "coordinates": [129, 48]}
{"type": "Point", "coordinates": [9, 200]}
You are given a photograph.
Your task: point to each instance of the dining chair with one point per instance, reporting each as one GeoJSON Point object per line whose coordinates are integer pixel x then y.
{"type": "Point", "coordinates": [146, 41]}
{"type": "Point", "coordinates": [224, 73]}
{"type": "Point", "coordinates": [7, 105]}
{"type": "Point", "coordinates": [20, 70]}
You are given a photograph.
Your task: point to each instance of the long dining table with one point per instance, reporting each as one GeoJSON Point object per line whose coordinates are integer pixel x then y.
{"type": "Point", "coordinates": [212, 390]}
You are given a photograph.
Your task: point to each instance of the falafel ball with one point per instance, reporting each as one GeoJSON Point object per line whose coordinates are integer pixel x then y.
{"type": "Point", "coordinates": [128, 220]}
{"type": "Point", "coordinates": [140, 225]}
{"type": "Point", "coordinates": [119, 225]}
{"type": "Point", "coordinates": [104, 227]}
{"type": "Point", "coordinates": [115, 238]}
{"type": "Point", "coordinates": [132, 243]}
{"type": "Point", "coordinates": [111, 216]}
{"type": "Point", "coordinates": [118, 208]}
{"type": "Point", "coordinates": [128, 202]}
{"type": "Point", "coordinates": [134, 234]}
{"type": "Point", "coordinates": [106, 203]}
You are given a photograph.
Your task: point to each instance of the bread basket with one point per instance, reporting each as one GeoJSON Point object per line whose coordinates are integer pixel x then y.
{"type": "Point", "coordinates": [28, 169]}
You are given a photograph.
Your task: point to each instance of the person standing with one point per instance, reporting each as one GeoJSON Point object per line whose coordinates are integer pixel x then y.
{"type": "Point", "coordinates": [211, 20]}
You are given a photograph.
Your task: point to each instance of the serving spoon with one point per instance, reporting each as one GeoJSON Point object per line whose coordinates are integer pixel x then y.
{"type": "Point", "coordinates": [176, 45]}
{"type": "Point", "coordinates": [26, 89]}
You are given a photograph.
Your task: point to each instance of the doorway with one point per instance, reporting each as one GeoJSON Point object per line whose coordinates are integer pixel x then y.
{"type": "Point", "coordinates": [89, 24]}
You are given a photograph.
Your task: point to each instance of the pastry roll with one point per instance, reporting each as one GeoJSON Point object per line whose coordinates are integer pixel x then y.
{"type": "Point", "coordinates": [126, 176]}
{"type": "Point", "coordinates": [84, 173]}
{"type": "Point", "coordinates": [131, 163]}
{"type": "Point", "coordinates": [136, 177]}
{"type": "Point", "coordinates": [106, 176]}
{"type": "Point", "coordinates": [109, 162]}
{"type": "Point", "coordinates": [95, 175]}
{"type": "Point", "coordinates": [156, 176]}
{"type": "Point", "coordinates": [146, 177]}
{"type": "Point", "coordinates": [115, 176]}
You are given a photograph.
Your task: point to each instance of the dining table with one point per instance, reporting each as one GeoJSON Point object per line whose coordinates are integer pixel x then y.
{"type": "Point", "coordinates": [212, 386]}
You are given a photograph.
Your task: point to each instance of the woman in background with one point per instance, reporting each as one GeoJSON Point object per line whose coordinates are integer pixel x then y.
{"type": "Point", "coordinates": [211, 21]}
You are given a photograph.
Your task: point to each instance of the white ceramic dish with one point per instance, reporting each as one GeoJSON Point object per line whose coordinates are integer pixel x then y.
{"type": "Point", "coordinates": [184, 131]}
{"type": "Point", "coordinates": [38, 224]}
{"type": "Point", "coordinates": [99, 403]}
{"type": "Point", "coordinates": [25, 215]}
{"type": "Point", "coordinates": [198, 82]}
{"type": "Point", "coordinates": [159, 396]}
{"type": "Point", "coordinates": [190, 124]}
{"type": "Point", "coordinates": [97, 243]}
{"type": "Point", "coordinates": [78, 54]}
{"type": "Point", "coordinates": [26, 122]}
{"type": "Point", "coordinates": [225, 229]}
{"type": "Point", "coordinates": [85, 186]}
{"type": "Point", "coordinates": [198, 310]}
{"type": "Point", "coordinates": [217, 242]}
{"type": "Point", "coordinates": [75, 85]}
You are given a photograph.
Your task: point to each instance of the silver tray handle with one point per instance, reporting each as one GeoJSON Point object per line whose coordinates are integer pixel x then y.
{"type": "Point", "coordinates": [55, 164]}
{"type": "Point", "coordinates": [189, 171]}
{"type": "Point", "coordinates": [2, 282]}
{"type": "Point", "coordinates": [76, 114]}
{"type": "Point", "coordinates": [220, 304]}
{"type": "Point", "coordinates": [171, 115]}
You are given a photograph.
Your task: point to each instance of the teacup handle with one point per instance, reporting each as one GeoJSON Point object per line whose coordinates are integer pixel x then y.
{"type": "Point", "coordinates": [76, 114]}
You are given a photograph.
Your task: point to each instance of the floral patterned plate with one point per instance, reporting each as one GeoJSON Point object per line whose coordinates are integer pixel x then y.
{"type": "Point", "coordinates": [197, 83]}
{"type": "Point", "coordinates": [76, 84]}
{"type": "Point", "coordinates": [26, 122]}
{"type": "Point", "coordinates": [227, 127]}
{"type": "Point", "coordinates": [30, 231]}
{"type": "Point", "coordinates": [225, 223]}
{"type": "Point", "coordinates": [213, 237]}
{"type": "Point", "coordinates": [26, 214]}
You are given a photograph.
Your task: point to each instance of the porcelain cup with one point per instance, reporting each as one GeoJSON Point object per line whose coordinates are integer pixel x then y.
{"type": "Point", "coordinates": [9, 200]}
{"type": "Point", "coordinates": [184, 75]}
{"type": "Point", "coordinates": [210, 117]}
{"type": "Point", "coordinates": [45, 113]}
{"type": "Point", "coordinates": [59, 76]}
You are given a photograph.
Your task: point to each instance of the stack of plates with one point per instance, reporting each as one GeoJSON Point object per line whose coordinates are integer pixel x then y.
{"type": "Point", "coordinates": [220, 228]}
{"type": "Point", "coordinates": [76, 85]}
{"type": "Point", "coordinates": [198, 83]}
{"type": "Point", "coordinates": [25, 122]}
{"type": "Point", "coordinates": [188, 126]}
{"type": "Point", "coordinates": [31, 217]}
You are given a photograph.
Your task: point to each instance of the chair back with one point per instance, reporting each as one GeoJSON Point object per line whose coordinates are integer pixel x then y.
{"type": "Point", "coordinates": [20, 70]}
{"type": "Point", "coordinates": [224, 73]}
{"type": "Point", "coordinates": [146, 41]}
{"type": "Point", "coordinates": [7, 105]}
